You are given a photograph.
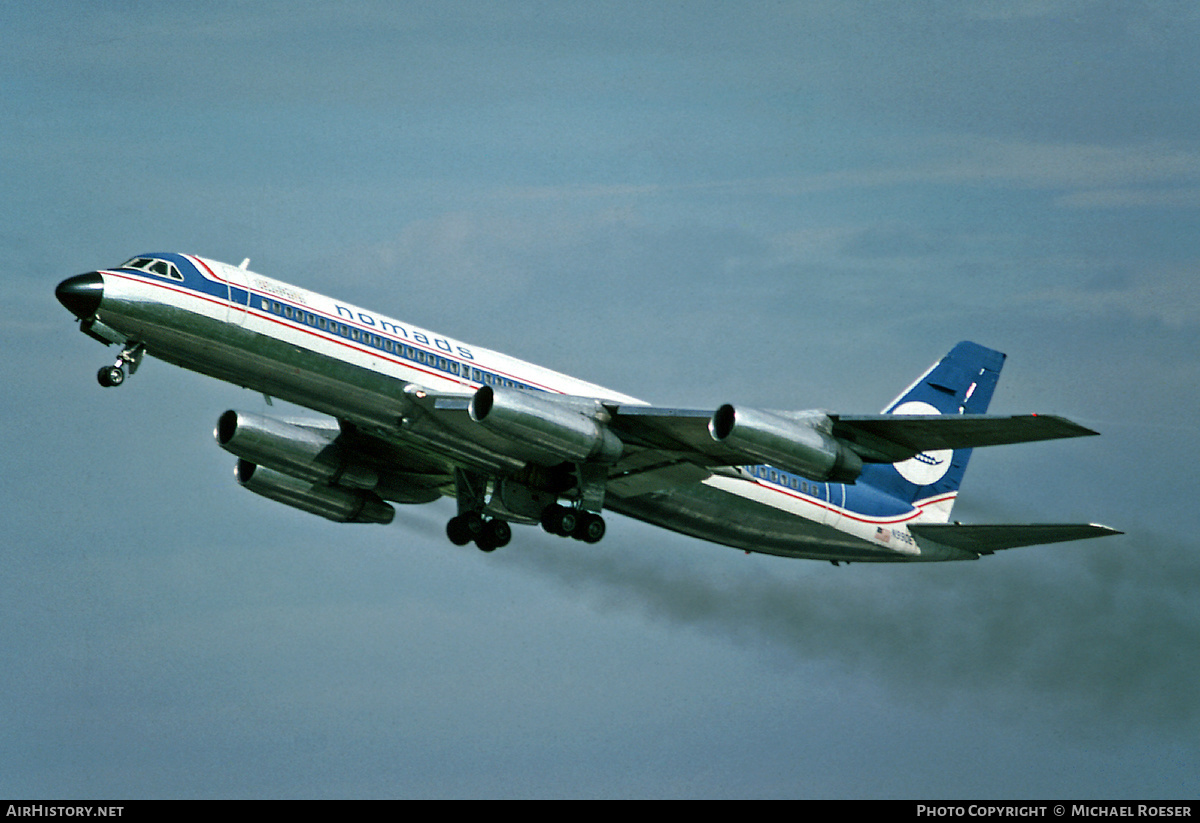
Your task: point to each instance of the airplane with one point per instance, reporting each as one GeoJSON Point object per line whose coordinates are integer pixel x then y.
{"type": "Point", "coordinates": [412, 416]}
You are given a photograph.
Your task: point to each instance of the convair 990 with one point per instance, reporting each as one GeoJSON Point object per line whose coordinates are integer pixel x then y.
{"type": "Point", "coordinates": [412, 416]}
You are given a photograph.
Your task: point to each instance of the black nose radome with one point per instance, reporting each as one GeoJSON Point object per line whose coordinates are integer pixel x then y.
{"type": "Point", "coordinates": [81, 294]}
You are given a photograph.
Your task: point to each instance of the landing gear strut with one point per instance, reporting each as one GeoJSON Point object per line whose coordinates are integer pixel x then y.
{"type": "Point", "coordinates": [114, 375]}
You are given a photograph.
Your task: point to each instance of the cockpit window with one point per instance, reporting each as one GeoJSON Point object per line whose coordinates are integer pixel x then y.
{"type": "Point", "coordinates": [151, 265]}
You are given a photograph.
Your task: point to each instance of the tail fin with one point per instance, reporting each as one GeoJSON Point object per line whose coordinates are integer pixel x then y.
{"type": "Point", "coordinates": [962, 382]}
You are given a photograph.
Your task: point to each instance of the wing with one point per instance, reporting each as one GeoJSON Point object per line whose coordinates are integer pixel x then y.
{"type": "Point", "coordinates": [875, 438]}
{"type": "Point", "coordinates": [665, 447]}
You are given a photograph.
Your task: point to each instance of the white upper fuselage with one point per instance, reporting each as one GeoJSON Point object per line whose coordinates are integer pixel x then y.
{"type": "Point", "coordinates": [337, 329]}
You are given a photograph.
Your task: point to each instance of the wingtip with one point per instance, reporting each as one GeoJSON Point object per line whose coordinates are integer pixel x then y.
{"type": "Point", "coordinates": [1070, 427]}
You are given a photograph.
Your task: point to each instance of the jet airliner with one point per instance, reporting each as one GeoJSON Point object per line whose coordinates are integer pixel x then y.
{"type": "Point", "coordinates": [411, 415]}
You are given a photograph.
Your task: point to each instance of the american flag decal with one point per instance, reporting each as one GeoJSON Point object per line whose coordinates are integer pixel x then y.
{"type": "Point", "coordinates": [882, 534]}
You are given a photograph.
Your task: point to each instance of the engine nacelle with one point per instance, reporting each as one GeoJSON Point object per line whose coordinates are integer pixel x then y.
{"type": "Point", "coordinates": [304, 453]}
{"type": "Point", "coordinates": [802, 444]}
{"type": "Point", "coordinates": [554, 429]}
{"type": "Point", "coordinates": [332, 502]}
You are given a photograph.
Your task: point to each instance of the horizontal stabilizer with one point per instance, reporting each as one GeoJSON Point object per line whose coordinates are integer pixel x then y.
{"type": "Point", "coordinates": [985, 539]}
{"type": "Point", "coordinates": [889, 438]}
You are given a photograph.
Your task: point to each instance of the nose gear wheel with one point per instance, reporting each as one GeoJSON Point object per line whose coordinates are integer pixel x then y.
{"type": "Point", "coordinates": [114, 375]}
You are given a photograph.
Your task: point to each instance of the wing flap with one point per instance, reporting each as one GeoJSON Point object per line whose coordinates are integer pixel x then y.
{"type": "Point", "coordinates": [987, 538]}
{"type": "Point", "coordinates": [664, 474]}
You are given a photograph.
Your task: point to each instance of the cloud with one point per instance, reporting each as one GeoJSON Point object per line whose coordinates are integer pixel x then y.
{"type": "Point", "coordinates": [1087, 175]}
{"type": "Point", "coordinates": [1187, 197]}
{"type": "Point", "coordinates": [1022, 9]}
{"type": "Point", "coordinates": [1028, 164]}
{"type": "Point", "coordinates": [1167, 294]}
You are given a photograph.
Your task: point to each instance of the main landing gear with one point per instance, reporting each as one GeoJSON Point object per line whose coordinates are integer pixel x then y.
{"type": "Point", "coordinates": [471, 490]}
{"type": "Point", "coordinates": [488, 535]}
{"type": "Point", "coordinates": [576, 523]}
{"type": "Point", "coordinates": [114, 375]}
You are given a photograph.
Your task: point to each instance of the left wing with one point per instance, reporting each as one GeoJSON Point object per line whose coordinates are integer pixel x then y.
{"type": "Point", "coordinates": [882, 438]}
{"type": "Point", "coordinates": [647, 447]}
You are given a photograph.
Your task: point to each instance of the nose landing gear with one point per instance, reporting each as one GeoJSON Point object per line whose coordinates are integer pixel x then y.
{"type": "Point", "coordinates": [109, 376]}
{"type": "Point", "coordinates": [114, 375]}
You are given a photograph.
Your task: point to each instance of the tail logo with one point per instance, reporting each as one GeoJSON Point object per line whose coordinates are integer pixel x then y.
{"type": "Point", "coordinates": [928, 467]}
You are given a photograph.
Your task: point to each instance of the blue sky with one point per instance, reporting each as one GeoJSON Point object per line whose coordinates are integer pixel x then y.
{"type": "Point", "coordinates": [787, 205]}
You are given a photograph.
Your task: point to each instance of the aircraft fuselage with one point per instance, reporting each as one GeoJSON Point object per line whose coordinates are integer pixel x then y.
{"type": "Point", "coordinates": [401, 394]}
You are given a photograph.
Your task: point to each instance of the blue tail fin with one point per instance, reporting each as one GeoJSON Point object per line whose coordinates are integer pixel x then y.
{"type": "Point", "coordinates": [962, 382]}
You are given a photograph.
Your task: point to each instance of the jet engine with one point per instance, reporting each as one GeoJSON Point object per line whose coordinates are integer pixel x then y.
{"type": "Point", "coordinates": [557, 430]}
{"type": "Point", "coordinates": [333, 502]}
{"type": "Point", "coordinates": [306, 467]}
{"type": "Point", "coordinates": [303, 452]}
{"type": "Point", "coordinates": [799, 442]}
